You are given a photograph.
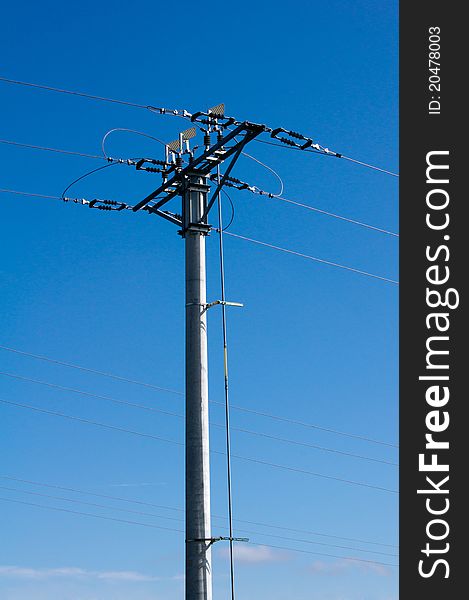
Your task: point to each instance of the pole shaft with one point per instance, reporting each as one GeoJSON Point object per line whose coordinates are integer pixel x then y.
{"type": "Point", "coordinates": [198, 553]}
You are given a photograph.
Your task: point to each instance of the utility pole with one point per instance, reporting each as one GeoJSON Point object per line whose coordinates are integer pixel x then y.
{"type": "Point", "coordinates": [186, 176]}
{"type": "Point", "coordinates": [198, 529]}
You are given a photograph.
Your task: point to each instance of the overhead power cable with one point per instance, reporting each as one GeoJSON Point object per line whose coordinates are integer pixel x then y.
{"type": "Point", "coordinates": [181, 520]}
{"type": "Point", "coordinates": [238, 236]}
{"type": "Point", "coordinates": [313, 258]}
{"type": "Point", "coordinates": [47, 149]}
{"type": "Point", "coordinates": [336, 216]}
{"type": "Point", "coordinates": [161, 439]}
{"type": "Point", "coordinates": [181, 416]}
{"type": "Point", "coordinates": [93, 371]}
{"type": "Point", "coordinates": [179, 393]}
{"type": "Point", "coordinates": [185, 114]}
{"type": "Point", "coordinates": [181, 510]}
{"type": "Point", "coordinates": [363, 164]}
{"type": "Point", "coordinates": [128, 522]}
{"type": "Point", "coordinates": [32, 194]}
{"type": "Point", "coordinates": [89, 96]}
{"type": "Point", "coordinates": [253, 189]}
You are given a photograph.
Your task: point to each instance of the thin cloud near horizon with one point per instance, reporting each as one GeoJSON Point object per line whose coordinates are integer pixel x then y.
{"type": "Point", "coordinates": [17, 572]}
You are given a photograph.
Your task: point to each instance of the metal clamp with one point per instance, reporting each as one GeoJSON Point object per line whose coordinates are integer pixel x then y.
{"type": "Point", "coordinates": [211, 304]}
{"type": "Point", "coordinates": [220, 538]}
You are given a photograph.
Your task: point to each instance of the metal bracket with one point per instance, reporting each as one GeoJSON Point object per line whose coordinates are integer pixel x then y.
{"type": "Point", "coordinates": [211, 304]}
{"type": "Point", "coordinates": [223, 303]}
{"type": "Point", "coordinates": [212, 540]}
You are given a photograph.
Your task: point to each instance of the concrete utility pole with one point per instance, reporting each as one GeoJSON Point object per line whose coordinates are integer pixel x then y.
{"type": "Point", "coordinates": [187, 179]}
{"type": "Point", "coordinates": [198, 530]}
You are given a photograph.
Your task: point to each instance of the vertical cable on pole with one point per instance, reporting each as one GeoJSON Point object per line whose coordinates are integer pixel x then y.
{"type": "Point", "coordinates": [225, 371]}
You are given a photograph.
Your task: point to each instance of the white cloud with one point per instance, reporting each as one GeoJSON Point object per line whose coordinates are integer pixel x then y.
{"type": "Point", "coordinates": [73, 572]}
{"type": "Point", "coordinates": [340, 566]}
{"type": "Point", "coordinates": [255, 554]}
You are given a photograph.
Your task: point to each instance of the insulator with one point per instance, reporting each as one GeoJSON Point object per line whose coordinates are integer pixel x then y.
{"type": "Point", "coordinates": [207, 140]}
{"type": "Point", "coordinates": [179, 161]}
{"type": "Point", "coordinates": [287, 141]}
{"type": "Point", "coordinates": [297, 135]}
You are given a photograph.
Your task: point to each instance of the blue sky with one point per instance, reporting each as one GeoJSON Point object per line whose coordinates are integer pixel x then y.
{"type": "Point", "coordinates": [105, 290]}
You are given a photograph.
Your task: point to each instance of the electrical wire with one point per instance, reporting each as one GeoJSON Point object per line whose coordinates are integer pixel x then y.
{"type": "Point", "coordinates": [81, 94]}
{"type": "Point", "coordinates": [313, 258]}
{"type": "Point", "coordinates": [141, 133]}
{"type": "Point", "coordinates": [181, 510]}
{"type": "Point", "coordinates": [269, 169]}
{"type": "Point", "coordinates": [230, 222]}
{"type": "Point", "coordinates": [91, 422]}
{"type": "Point", "coordinates": [6, 191]}
{"type": "Point", "coordinates": [47, 149]}
{"type": "Point", "coordinates": [359, 162]}
{"type": "Point", "coordinates": [66, 510]}
{"type": "Point", "coordinates": [177, 392]}
{"type": "Point", "coordinates": [180, 520]}
{"type": "Point", "coordinates": [116, 508]}
{"type": "Point", "coordinates": [128, 522]}
{"type": "Point", "coordinates": [311, 151]}
{"type": "Point", "coordinates": [177, 113]}
{"type": "Point", "coordinates": [181, 416]}
{"type": "Point", "coordinates": [254, 190]}
{"type": "Point", "coordinates": [92, 395]}
{"type": "Point", "coordinates": [161, 439]}
{"type": "Point", "coordinates": [335, 216]}
{"type": "Point", "coordinates": [93, 371]}
{"type": "Point", "coordinates": [226, 385]}
{"type": "Point", "coordinates": [87, 175]}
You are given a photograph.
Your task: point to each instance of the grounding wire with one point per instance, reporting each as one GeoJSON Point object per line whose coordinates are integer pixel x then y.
{"type": "Point", "coordinates": [226, 385]}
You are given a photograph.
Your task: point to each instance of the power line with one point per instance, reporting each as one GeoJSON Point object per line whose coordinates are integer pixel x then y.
{"type": "Point", "coordinates": [328, 555]}
{"type": "Point", "coordinates": [180, 520]}
{"type": "Point", "coordinates": [241, 237]}
{"type": "Point", "coordinates": [179, 113]}
{"type": "Point", "coordinates": [93, 395]}
{"type": "Point", "coordinates": [91, 422]}
{"type": "Point", "coordinates": [106, 506]}
{"type": "Point", "coordinates": [363, 164]}
{"type": "Point", "coordinates": [177, 392]}
{"type": "Point", "coordinates": [336, 216]}
{"type": "Point", "coordinates": [128, 522]}
{"type": "Point", "coordinates": [94, 371]}
{"type": "Point", "coordinates": [67, 510]}
{"type": "Point", "coordinates": [313, 258]}
{"type": "Point", "coordinates": [81, 94]}
{"type": "Point", "coordinates": [6, 191]}
{"type": "Point", "coordinates": [161, 439]}
{"type": "Point", "coordinates": [181, 416]}
{"type": "Point", "coordinates": [48, 149]}
{"type": "Point", "coordinates": [172, 508]}
{"type": "Point", "coordinates": [254, 190]}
